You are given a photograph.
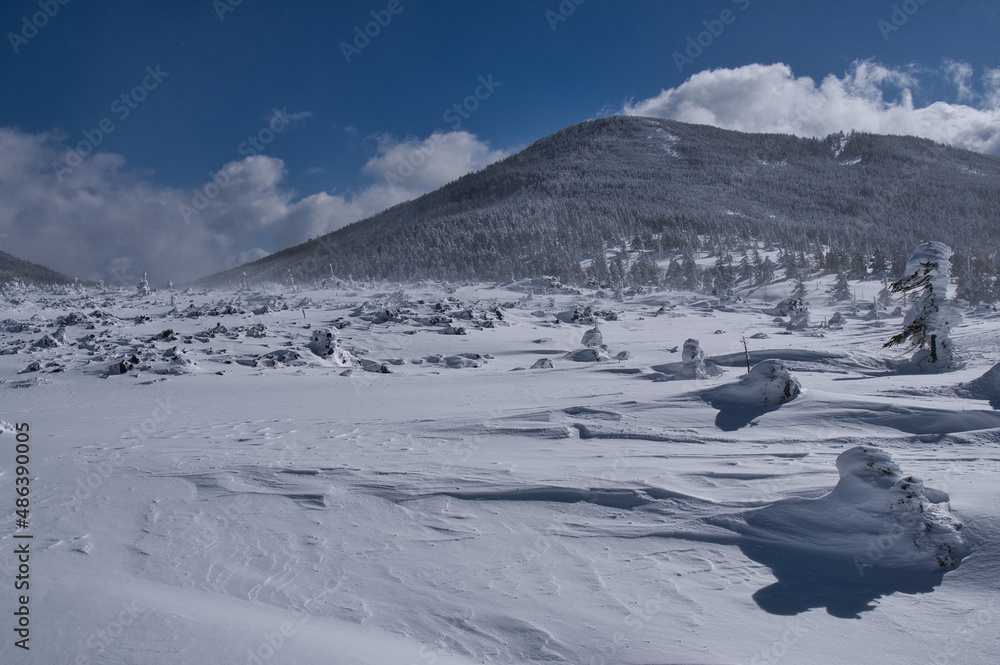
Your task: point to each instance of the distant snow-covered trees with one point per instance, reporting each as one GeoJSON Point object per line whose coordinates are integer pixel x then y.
{"type": "Point", "coordinates": [605, 184]}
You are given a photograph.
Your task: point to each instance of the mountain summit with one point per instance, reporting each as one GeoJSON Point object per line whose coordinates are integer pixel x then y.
{"type": "Point", "coordinates": [664, 183]}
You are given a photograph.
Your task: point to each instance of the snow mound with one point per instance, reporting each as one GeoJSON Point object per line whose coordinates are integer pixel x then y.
{"type": "Point", "coordinates": [588, 355]}
{"type": "Point", "coordinates": [693, 363]}
{"type": "Point", "coordinates": [325, 344]}
{"type": "Point", "coordinates": [986, 387]}
{"type": "Point", "coordinates": [769, 383]}
{"type": "Point", "coordinates": [798, 321]}
{"type": "Point", "coordinates": [875, 516]}
{"type": "Point", "coordinates": [588, 315]}
{"type": "Point", "coordinates": [593, 337]}
{"type": "Point", "coordinates": [785, 307]}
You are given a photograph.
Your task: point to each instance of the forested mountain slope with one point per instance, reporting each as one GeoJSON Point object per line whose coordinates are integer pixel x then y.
{"type": "Point", "coordinates": [664, 185]}
{"type": "Point", "coordinates": [13, 268]}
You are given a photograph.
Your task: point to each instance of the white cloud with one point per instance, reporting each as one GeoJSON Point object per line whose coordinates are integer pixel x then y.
{"type": "Point", "coordinates": [770, 98]}
{"type": "Point", "coordinates": [101, 221]}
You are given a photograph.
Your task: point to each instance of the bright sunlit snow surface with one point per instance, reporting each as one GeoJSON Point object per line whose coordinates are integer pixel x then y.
{"type": "Point", "coordinates": [466, 475]}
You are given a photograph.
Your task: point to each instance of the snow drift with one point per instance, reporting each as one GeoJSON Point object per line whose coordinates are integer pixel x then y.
{"type": "Point", "coordinates": [986, 387]}
{"type": "Point", "coordinates": [876, 516]}
{"type": "Point", "coordinates": [878, 532]}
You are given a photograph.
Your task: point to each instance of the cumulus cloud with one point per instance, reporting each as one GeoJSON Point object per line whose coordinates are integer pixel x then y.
{"type": "Point", "coordinates": [101, 221]}
{"type": "Point", "coordinates": [869, 97]}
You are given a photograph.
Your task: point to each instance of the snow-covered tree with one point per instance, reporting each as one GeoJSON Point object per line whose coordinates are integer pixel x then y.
{"type": "Point", "coordinates": [767, 271]}
{"type": "Point", "coordinates": [143, 287]}
{"type": "Point", "coordinates": [799, 290]}
{"type": "Point", "coordinates": [841, 290]}
{"type": "Point", "coordinates": [927, 325]}
{"type": "Point", "coordinates": [643, 271]}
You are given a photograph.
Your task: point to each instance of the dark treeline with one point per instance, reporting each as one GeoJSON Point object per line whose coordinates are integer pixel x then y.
{"type": "Point", "coordinates": [13, 269]}
{"type": "Point", "coordinates": [855, 203]}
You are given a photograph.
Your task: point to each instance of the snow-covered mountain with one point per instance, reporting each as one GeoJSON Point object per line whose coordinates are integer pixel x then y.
{"type": "Point", "coordinates": [661, 182]}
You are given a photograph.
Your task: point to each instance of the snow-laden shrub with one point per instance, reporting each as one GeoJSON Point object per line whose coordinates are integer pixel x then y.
{"type": "Point", "coordinates": [325, 344]}
{"type": "Point", "coordinates": [588, 354]}
{"type": "Point", "coordinates": [693, 363]}
{"type": "Point", "coordinates": [769, 384]}
{"type": "Point", "coordinates": [593, 337]}
{"type": "Point", "coordinates": [876, 516]}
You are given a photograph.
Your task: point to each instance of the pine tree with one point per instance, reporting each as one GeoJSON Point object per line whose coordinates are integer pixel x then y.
{"type": "Point", "coordinates": [746, 269]}
{"type": "Point", "coordinates": [879, 264]}
{"type": "Point", "coordinates": [767, 271]}
{"type": "Point", "coordinates": [841, 290]}
{"type": "Point", "coordinates": [927, 325]}
{"type": "Point", "coordinates": [692, 280]}
{"type": "Point", "coordinates": [799, 292]}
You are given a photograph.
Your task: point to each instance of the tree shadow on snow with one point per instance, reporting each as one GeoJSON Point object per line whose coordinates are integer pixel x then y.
{"type": "Point", "coordinates": [844, 586]}
{"type": "Point", "coordinates": [731, 418]}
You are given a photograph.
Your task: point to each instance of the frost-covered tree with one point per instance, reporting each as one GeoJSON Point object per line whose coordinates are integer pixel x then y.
{"type": "Point", "coordinates": [746, 269]}
{"type": "Point", "coordinates": [799, 291]}
{"type": "Point", "coordinates": [143, 287]}
{"type": "Point", "coordinates": [841, 290]}
{"type": "Point", "coordinates": [927, 325]}
{"type": "Point", "coordinates": [879, 263]}
{"type": "Point", "coordinates": [859, 265]}
{"type": "Point", "coordinates": [723, 275]}
{"type": "Point", "coordinates": [692, 279]}
{"type": "Point", "coordinates": [598, 270]}
{"type": "Point", "coordinates": [767, 271]}
{"type": "Point", "coordinates": [643, 271]}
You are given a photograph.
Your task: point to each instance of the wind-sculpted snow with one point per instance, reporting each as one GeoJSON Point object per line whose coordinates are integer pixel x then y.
{"type": "Point", "coordinates": [425, 503]}
{"type": "Point", "coordinates": [876, 532]}
{"type": "Point", "coordinates": [986, 387]}
{"type": "Point", "coordinates": [768, 385]}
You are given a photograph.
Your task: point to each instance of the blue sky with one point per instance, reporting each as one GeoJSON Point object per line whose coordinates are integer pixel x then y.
{"type": "Point", "coordinates": [347, 127]}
